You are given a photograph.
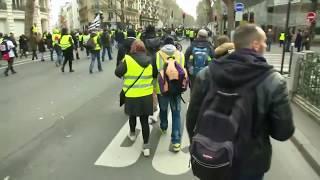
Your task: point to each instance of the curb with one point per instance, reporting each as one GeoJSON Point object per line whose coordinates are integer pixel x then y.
{"type": "Point", "coordinates": [309, 152]}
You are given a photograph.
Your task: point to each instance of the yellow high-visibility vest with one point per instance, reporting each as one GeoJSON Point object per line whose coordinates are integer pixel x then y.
{"type": "Point", "coordinates": [282, 37]}
{"type": "Point", "coordinates": [192, 34]}
{"type": "Point", "coordinates": [143, 87]}
{"type": "Point", "coordinates": [125, 34]}
{"type": "Point", "coordinates": [55, 39]}
{"type": "Point", "coordinates": [65, 42]}
{"type": "Point", "coordinates": [95, 40]}
{"type": "Point", "coordinates": [178, 56]}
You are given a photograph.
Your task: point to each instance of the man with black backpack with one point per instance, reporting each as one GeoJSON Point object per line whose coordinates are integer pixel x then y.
{"type": "Point", "coordinates": [199, 54]}
{"type": "Point", "coordinates": [237, 103]}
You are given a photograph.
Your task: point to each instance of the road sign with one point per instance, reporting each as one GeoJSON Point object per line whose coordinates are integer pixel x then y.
{"type": "Point", "coordinates": [239, 7]}
{"type": "Point", "coordinates": [311, 17]}
{"type": "Point", "coordinates": [239, 16]}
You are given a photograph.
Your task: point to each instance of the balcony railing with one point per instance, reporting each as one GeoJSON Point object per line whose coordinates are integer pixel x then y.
{"type": "Point", "coordinates": [309, 79]}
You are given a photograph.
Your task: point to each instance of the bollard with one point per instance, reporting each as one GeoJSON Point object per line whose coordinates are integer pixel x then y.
{"type": "Point", "coordinates": [290, 61]}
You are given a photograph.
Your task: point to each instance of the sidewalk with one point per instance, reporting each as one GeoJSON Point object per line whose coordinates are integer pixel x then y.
{"type": "Point", "coordinates": [307, 136]}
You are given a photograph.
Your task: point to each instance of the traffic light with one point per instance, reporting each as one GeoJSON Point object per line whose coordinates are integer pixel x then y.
{"type": "Point", "coordinates": [183, 15]}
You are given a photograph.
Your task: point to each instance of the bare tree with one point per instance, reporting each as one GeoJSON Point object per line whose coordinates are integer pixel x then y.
{"type": "Point", "coordinates": [120, 13]}
{"type": "Point", "coordinates": [29, 11]}
{"type": "Point", "coordinates": [231, 21]}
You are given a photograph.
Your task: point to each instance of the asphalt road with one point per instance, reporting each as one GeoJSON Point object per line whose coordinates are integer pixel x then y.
{"type": "Point", "coordinates": [68, 126]}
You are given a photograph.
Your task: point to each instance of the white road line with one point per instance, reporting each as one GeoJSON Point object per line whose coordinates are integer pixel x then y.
{"type": "Point", "coordinates": [170, 163]}
{"type": "Point", "coordinates": [115, 155]}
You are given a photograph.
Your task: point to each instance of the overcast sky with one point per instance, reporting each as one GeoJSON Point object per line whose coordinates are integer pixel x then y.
{"type": "Point", "coordinates": [189, 6]}
{"type": "Point", "coordinates": [56, 5]}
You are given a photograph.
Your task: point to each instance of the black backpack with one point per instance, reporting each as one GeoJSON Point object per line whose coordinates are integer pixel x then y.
{"type": "Point", "coordinates": [224, 129]}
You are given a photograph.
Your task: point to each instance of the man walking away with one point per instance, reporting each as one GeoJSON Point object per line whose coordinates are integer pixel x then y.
{"type": "Point", "coordinates": [34, 44]}
{"type": "Point", "coordinates": [56, 46]}
{"type": "Point", "coordinates": [106, 44]}
{"type": "Point", "coordinates": [282, 37]}
{"type": "Point", "coordinates": [199, 54]}
{"type": "Point", "coordinates": [298, 41]}
{"type": "Point", "coordinates": [237, 104]}
{"type": "Point", "coordinates": [66, 44]}
{"type": "Point", "coordinates": [163, 65]}
{"type": "Point", "coordinates": [95, 45]}
{"type": "Point", "coordinates": [7, 53]}
{"type": "Point", "coordinates": [125, 47]}
{"type": "Point", "coordinates": [269, 39]}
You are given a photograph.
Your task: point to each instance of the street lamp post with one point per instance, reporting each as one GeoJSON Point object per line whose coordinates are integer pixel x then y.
{"type": "Point", "coordinates": [287, 33]}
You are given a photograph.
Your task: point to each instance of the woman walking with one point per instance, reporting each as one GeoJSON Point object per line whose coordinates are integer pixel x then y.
{"type": "Point", "coordinates": [136, 69]}
{"type": "Point", "coordinates": [66, 44]}
{"type": "Point", "coordinates": [7, 51]}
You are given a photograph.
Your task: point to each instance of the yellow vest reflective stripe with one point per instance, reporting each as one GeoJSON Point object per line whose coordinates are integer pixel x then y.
{"type": "Point", "coordinates": [191, 34]}
{"type": "Point", "coordinates": [143, 87]}
{"type": "Point", "coordinates": [86, 39]}
{"type": "Point", "coordinates": [65, 42]}
{"type": "Point", "coordinates": [95, 40]}
{"type": "Point", "coordinates": [282, 37]}
{"type": "Point", "coordinates": [179, 57]}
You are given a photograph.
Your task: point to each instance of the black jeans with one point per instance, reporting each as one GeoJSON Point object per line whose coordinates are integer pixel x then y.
{"type": "Point", "coordinates": [10, 66]}
{"type": "Point", "coordinates": [34, 54]}
{"type": "Point", "coordinates": [144, 125]}
{"type": "Point", "coordinates": [68, 57]}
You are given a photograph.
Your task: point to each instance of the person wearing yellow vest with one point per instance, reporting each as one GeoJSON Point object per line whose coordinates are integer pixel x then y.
{"type": "Point", "coordinates": [95, 51]}
{"type": "Point", "coordinates": [34, 28]}
{"type": "Point", "coordinates": [282, 38]}
{"type": "Point", "coordinates": [55, 43]}
{"type": "Point", "coordinates": [137, 72]}
{"type": "Point", "coordinates": [192, 35]}
{"type": "Point", "coordinates": [175, 101]}
{"type": "Point", "coordinates": [66, 44]}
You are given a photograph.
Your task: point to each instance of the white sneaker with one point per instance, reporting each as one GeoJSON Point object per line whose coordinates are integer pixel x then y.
{"type": "Point", "coordinates": [146, 152]}
{"type": "Point", "coordinates": [132, 136]}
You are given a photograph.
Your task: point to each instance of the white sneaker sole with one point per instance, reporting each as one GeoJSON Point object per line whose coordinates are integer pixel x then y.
{"type": "Point", "coordinates": [146, 152]}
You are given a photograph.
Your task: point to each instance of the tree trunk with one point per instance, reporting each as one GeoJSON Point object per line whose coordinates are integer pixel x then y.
{"type": "Point", "coordinates": [210, 12]}
{"type": "Point", "coordinates": [122, 11]}
{"type": "Point", "coordinates": [230, 7]}
{"type": "Point", "coordinates": [29, 11]}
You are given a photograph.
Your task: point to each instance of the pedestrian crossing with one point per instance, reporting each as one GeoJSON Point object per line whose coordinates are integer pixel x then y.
{"type": "Point", "coordinates": [275, 60]}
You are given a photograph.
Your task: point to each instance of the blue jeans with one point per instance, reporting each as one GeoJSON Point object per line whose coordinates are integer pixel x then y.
{"type": "Point", "coordinates": [175, 104]}
{"type": "Point", "coordinates": [59, 55]}
{"type": "Point", "coordinates": [104, 53]}
{"type": "Point", "coordinates": [95, 55]}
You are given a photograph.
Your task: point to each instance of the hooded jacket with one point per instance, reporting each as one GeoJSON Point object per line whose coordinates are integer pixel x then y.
{"type": "Point", "coordinates": [169, 49]}
{"type": "Point", "coordinates": [273, 111]}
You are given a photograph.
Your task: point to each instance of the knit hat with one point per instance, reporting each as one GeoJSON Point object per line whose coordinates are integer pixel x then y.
{"type": "Point", "coordinates": [202, 33]}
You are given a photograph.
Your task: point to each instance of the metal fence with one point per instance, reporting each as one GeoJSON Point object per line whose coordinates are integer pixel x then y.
{"type": "Point", "coordinates": [309, 79]}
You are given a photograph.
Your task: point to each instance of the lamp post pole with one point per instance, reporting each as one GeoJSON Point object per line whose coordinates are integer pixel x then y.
{"type": "Point", "coordinates": [287, 34]}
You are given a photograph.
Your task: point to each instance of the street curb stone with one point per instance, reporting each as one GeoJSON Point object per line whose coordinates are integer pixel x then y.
{"type": "Point", "coordinates": [309, 152]}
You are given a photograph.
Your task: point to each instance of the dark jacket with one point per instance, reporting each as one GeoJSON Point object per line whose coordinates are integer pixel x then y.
{"type": "Point", "coordinates": [197, 43]}
{"type": "Point", "coordinates": [273, 113]}
{"type": "Point", "coordinates": [42, 45]}
{"type": "Point", "coordinates": [106, 39]}
{"type": "Point", "coordinates": [140, 106]}
{"type": "Point", "coordinates": [298, 41]}
{"type": "Point", "coordinates": [124, 49]}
